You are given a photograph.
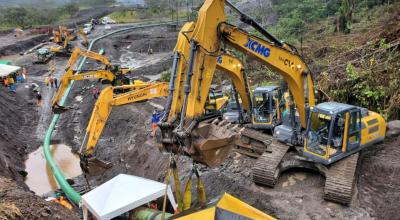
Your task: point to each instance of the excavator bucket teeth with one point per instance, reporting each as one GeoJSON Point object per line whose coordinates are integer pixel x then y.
{"type": "Point", "coordinates": [94, 166]}
{"type": "Point", "coordinates": [212, 143]}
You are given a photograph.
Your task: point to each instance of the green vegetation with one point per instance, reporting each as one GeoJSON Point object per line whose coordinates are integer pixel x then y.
{"type": "Point", "coordinates": [24, 17]}
{"type": "Point", "coordinates": [360, 68]}
{"type": "Point", "coordinates": [296, 17]}
{"type": "Point", "coordinates": [125, 16]}
{"type": "Point", "coordinates": [43, 12]}
{"type": "Point", "coordinates": [165, 76]}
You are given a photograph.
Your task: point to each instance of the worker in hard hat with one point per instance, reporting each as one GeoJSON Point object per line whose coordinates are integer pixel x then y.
{"type": "Point", "coordinates": [155, 118]}
{"type": "Point", "coordinates": [60, 200]}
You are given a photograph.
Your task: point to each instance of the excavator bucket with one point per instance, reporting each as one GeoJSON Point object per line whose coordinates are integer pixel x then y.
{"type": "Point", "coordinates": [57, 109]}
{"type": "Point", "coordinates": [94, 166]}
{"type": "Point", "coordinates": [212, 142]}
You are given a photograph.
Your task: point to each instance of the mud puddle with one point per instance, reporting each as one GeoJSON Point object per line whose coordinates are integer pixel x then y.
{"type": "Point", "coordinates": [40, 178]}
{"type": "Point", "coordinates": [11, 58]}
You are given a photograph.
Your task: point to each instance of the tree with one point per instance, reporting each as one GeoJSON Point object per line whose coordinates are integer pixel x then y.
{"type": "Point", "coordinates": [343, 21]}
{"type": "Point", "coordinates": [71, 8]}
{"type": "Point", "coordinates": [17, 17]}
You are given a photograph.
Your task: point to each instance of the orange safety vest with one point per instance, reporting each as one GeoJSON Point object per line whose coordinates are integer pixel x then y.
{"type": "Point", "coordinates": [63, 202]}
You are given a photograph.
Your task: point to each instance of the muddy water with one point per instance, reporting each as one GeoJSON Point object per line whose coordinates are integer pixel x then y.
{"type": "Point", "coordinates": [40, 179]}
{"type": "Point", "coordinates": [11, 58]}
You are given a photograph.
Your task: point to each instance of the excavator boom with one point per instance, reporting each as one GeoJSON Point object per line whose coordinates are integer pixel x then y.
{"type": "Point", "coordinates": [84, 38]}
{"type": "Point", "coordinates": [101, 112]}
{"type": "Point", "coordinates": [70, 75]}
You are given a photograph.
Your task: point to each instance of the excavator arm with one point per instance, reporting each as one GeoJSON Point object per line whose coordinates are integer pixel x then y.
{"type": "Point", "coordinates": [70, 75]}
{"type": "Point", "coordinates": [57, 36]}
{"type": "Point", "coordinates": [285, 62]}
{"type": "Point", "coordinates": [82, 35]}
{"type": "Point", "coordinates": [226, 63]}
{"type": "Point", "coordinates": [78, 52]}
{"type": "Point", "coordinates": [101, 112]}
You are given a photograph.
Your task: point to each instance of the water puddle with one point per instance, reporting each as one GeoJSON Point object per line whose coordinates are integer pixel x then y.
{"type": "Point", "coordinates": [40, 178]}
{"type": "Point", "coordinates": [11, 58]}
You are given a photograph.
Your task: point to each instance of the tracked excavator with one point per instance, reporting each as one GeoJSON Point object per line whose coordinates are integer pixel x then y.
{"type": "Point", "coordinates": [62, 50]}
{"type": "Point", "coordinates": [109, 74]}
{"type": "Point", "coordinates": [326, 137]}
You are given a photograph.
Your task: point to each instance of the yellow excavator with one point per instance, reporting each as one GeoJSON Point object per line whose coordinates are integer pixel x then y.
{"type": "Point", "coordinates": [83, 36]}
{"type": "Point", "coordinates": [57, 38]}
{"type": "Point", "coordinates": [67, 33]}
{"type": "Point", "coordinates": [109, 74]}
{"type": "Point", "coordinates": [101, 111]}
{"type": "Point", "coordinates": [326, 137]}
{"type": "Point", "coordinates": [62, 50]}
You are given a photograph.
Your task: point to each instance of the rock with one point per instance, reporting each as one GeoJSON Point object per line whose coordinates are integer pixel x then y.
{"type": "Point", "coordinates": [393, 128]}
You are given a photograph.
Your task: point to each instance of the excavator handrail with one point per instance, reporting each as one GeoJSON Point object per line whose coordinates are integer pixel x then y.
{"type": "Point", "coordinates": [60, 178]}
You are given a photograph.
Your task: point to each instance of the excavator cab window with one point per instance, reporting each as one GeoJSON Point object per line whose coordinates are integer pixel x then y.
{"type": "Point", "coordinates": [338, 132]}
{"type": "Point", "coordinates": [354, 133]}
{"type": "Point", "coordinates": [318, 132]}
{"type": "Point", "coordinates": [262, 105]}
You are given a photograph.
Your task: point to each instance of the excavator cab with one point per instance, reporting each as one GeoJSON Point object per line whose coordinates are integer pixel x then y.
{"type": "Point", "coordinates": [268, 104]}
{"type": "Point", "coordinates": [336, 130]}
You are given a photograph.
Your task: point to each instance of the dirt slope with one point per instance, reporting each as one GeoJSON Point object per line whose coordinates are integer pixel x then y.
{"type": "Point", "coordinates": [21, 131]}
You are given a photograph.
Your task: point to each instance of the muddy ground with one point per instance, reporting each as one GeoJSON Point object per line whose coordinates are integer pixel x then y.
{"type": "Point", "coordinates": [126, 142]}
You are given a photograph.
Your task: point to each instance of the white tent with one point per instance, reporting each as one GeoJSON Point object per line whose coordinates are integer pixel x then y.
{"type": "Point", "coordinates": [122, 194]}
{"type": "Point", "coordinates": [5, 70]}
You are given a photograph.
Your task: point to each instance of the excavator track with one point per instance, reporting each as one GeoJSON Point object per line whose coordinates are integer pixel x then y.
{"type": "Point", "coordinates": [340, 180]}
{"type": "Point", "coordinates": [253, 143]}
{"type": "Point", "coordinates": [266, 169]}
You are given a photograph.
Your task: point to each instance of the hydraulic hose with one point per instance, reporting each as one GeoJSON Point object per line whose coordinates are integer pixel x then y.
{"type": "Point", "coordinates": [60, 178]}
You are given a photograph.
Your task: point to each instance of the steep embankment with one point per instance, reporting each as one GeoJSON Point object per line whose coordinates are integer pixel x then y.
{"type": "Point", "coordinates": [21, 130]}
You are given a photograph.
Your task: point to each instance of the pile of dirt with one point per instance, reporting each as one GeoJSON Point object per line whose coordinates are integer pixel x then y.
{"type": "Point", "coordinates": [10, 45]}
{"type": "Point", "coordinates": [18, 203]}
